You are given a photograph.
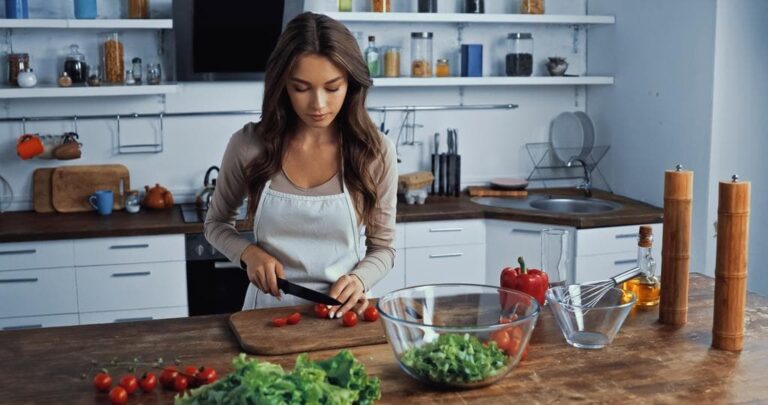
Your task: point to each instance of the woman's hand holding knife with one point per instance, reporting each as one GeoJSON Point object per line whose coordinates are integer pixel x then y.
{"type": "Point", "coordinates": [263, 269]}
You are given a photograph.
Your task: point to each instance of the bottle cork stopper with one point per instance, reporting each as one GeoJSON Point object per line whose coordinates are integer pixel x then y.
{"type": "Point", "coordinates": [646, 236]}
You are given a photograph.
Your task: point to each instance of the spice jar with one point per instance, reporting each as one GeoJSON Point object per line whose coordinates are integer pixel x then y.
{"type": "Point", "coordinates": [382, 6]}
{"type": "Point", "coordinates": [75, 66]}
{"type": "Point", "coordinates": [138, 8]}
{"type": "Point", "coordinates": [136, 69]}
{"type": "Point", "coordinates": [95, 78]}
{"type": "Point", "coordinates": [421, 54]}
{"type": "Point", "coordinates": [532, 6]}
{"type": "Point", "coordinates": [427, 6]}
{"type": "Point", "coordinates": [64, 80]}
{"type": "Point", "coordinates": [519, 54]}
{"type": "Point", "coordinates": [154, 73]}
{"type": "Point", "coordinates": [442, 68]}
{"type": "Point", "coordinates": [392, 62]}
{"type": "Point", "coordinates": [114, 64]}
{"type": "Point", "coordinates": [17, 62]}
{"type": "Point", "coordinates": [474, 6]}
{"type": "Point", "coordinates": [27, 78]}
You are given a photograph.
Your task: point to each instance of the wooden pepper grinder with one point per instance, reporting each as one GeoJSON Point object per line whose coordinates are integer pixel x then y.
{"type": "Point", "coordinates": [676, 246]}
{"type": "Point", "coordinates": [731, 265]}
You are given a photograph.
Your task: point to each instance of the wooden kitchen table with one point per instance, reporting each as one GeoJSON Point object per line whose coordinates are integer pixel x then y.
{"type": "Point", "coordinates": [647, 362]}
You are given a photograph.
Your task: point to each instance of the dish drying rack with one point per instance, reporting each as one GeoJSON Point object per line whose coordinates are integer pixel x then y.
{"type": "Point", "coordinates": [547, 166]}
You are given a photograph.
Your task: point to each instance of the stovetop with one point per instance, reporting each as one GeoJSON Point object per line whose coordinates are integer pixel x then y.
{"type": "Point", "coordinates": [191, 214]}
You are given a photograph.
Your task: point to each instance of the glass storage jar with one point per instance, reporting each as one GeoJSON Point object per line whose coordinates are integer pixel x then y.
{"type": "Point", "coordinates": [442, 68]}
{"type": "Point", "coordinates": [532, 6]}
{"type": "Point", "coordinates": [392, 61]}
{"type": "Point", "coordinates": [382, 6]}
{"type": "Point", "coordinates": [519, 61]}
{"type": "Point", "coordinates": [474, 6]}
{"type": "Point", "coordinates": [138, 8]}
{"type": "Point", "coordinates": [345, 5]}
{"type": "Point", "coordinates": [75, 66]}
{"type": "Point", "coordinates": [17, 62]}
{"type": "Point", "coordinates": [154, 73]}
{"type": "Point", "coordinates": [136, 69]}
{"type": "Point", "coordinates": [114, 62]}
{"type": "Point", "coordinates": [421, 54]}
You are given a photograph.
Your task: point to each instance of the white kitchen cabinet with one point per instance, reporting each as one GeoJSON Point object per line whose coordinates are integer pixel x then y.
{"type": "Point", "coordinates": [507, 240]}
{"type": "Point", "coordinates": [33, 322]}
{"type": "Point", "coordinates": [605, 252]}
{"type": "Point", "coordinates": [36, 255]}
{"type": "Point", "coordinates": [132, 315]}
{"type": "Point", "coordinates": [445, 264]}
{"type": "Point", "coordinates": [31, 292]}
{"type": "Point", "coordinates": [129, 249]}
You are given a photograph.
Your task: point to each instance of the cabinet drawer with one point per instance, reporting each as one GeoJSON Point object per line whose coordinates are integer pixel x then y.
{"type": "Point", "coordinates": [133, 249]}
{"type": "Point", "coordinates": [36, 255]}
{"type": "Point", "coordinates": [602, 267]}
{"type": "Point", "coordinates": [38, 292]}
{"type": "Point", "coordinates": [441, 233]}
{"type": "Point", "coordinates": [32, 322]}
{"type": "Point", "coordinates": [133, 315]}
{"type": "Point", "coordinates": [131, 286]}
{"type": "Point", "coordinates": [445, 264]}
{"type": "Point", "coordinates": [613, 239]}
{"type": "Point", "coordinates": [394, 280]}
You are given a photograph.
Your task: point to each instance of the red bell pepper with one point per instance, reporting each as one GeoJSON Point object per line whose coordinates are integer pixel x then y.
{"type": "Point", "coordinates": [530, 281]}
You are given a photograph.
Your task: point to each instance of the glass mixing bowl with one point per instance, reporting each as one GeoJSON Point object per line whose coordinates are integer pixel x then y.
{"type": "Point", "coordinates": [458, 335]}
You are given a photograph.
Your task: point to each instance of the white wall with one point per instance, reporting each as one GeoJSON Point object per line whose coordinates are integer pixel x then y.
{"type": "Point", "coordinates": [658, 112]}
{"type": "Point", "coordinates": [740, 122]}
{"type": "Point", "coordinates": [491, 142]}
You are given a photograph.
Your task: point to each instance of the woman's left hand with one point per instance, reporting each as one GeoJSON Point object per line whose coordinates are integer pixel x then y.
{"type": "Point", "coordinates": [348, 290]}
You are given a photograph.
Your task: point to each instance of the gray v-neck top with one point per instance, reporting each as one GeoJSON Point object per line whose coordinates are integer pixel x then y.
{"type": "Point", "coordinates": [231, 189]}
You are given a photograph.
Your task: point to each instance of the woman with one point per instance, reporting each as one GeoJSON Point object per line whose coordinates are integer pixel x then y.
{"type": "Point", "coordinates": [316, 172]}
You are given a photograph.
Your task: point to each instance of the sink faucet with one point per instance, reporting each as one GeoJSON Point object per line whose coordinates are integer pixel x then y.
{"type": "Point", "coordinates": [587, 185]}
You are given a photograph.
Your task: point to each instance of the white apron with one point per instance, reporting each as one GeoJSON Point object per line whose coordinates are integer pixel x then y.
{"type": "Point", "coordinates": [315, 238]}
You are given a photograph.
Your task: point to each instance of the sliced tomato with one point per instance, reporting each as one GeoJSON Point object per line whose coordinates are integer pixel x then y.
{"type": "Point", "coordinates": [294, 318]}
{"type": "Point", "coordinates": [279, 321]}
{"type": "Point", "coordinates": [321, 311]}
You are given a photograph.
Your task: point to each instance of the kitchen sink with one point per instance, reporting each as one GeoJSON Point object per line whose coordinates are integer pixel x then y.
{"type": "Point", "coordinates": [562, 205]}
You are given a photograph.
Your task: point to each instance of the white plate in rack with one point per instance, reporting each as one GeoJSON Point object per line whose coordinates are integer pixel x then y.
{"type": "Point", "coordinates": [571, 135]}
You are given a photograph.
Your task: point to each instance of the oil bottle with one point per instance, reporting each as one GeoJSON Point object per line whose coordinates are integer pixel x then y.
{"type": "Point", "coordinates": [647, 286]}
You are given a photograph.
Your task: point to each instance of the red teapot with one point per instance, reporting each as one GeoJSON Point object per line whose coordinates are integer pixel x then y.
{"type": "Point", "coordinates": [157, 198]}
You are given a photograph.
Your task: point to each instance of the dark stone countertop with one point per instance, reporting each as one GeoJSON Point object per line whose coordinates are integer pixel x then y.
{"type": "Point", "coordinates": [29, 226]}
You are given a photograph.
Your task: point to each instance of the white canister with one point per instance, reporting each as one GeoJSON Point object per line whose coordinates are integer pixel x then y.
{"type": "Point", "coordinates": [27, 78]}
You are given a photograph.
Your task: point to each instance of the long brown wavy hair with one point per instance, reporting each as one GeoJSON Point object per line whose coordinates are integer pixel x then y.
{"type": "Point", "coordinates": [311, 33]}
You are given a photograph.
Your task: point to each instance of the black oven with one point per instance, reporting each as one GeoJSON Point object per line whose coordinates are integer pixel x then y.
{"type": "Point", "coordinates": [214, 284]}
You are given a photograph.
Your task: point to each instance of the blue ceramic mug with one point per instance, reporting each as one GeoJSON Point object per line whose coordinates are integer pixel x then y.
{"type": "Point", "coordinates": [102, 201]}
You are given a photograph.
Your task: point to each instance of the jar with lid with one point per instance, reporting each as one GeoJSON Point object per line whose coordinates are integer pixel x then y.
{"type": "Point", "coordinates": [532, 6]}
{"type": "Point", "coordinates": [381, 6]}
{"type": "Point", "coordinates": [154, 73]}
{"type": "Point", "coordinates": [114, 62]}
{"type": "Point", "coordinates": [138, 8]}
{"type": "Point", "coordinates": [136, 69]}
{"type": "Point", "coordinates": [442, 68]}
{"type": "Point", "coordinates": [421, 54]}
{"type": "Point", "coordinates": [75, 66]}
{"type": "Point", "coordinates": [519, 61]}
{"type": "Point", "coordinates": [392, 61]}
{"type": "Point", "coordinates": [427, 6]}
{"type": "Point", "coordinates": [17, 62]}
{"type": "Point", "coordinates": [474, 6]}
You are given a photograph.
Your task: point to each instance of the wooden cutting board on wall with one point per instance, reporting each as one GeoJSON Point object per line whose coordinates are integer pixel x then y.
{"type": "Point", "coordinates": [257, 335]}
{"type": "Point", "coordinates": [72, 185]}
{"type": "Point", "coordinates": [41, 190]}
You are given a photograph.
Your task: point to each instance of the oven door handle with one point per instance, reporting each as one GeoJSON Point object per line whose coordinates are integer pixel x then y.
{"type": "Point", "coordinates": [225, 265]}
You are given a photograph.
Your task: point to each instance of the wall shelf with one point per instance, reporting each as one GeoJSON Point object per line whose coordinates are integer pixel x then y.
{"type": "Point", "coordinates": [471, 18]}
{"type": "Point", "coordinates": [50, 91]}
{"type": "Point", "coordinates": [490, 81]}
{"type": "Point", "coordinates": [151, 24]}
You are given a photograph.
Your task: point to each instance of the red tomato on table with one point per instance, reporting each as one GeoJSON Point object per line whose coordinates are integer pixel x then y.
{"type": "Point", "coordinates": [349, 319]}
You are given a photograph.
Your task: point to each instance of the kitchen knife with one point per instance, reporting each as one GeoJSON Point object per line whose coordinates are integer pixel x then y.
{"type": "Point", "coordinates": [435, 163]}
{"type": "Point", "coordinates": [302, 292]}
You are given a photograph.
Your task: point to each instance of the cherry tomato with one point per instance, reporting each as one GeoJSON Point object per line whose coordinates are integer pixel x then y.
{"type": "Point", "coordinates": [102, 382]}
{"type": "Point", "coordinates": [502, 339]}
{"type": "Point", "coordinates": [349, 319]}
{"type": "Point", "coordinates": [321, 311]}
{"type": "Point", "coordinates": [129, 382]}
{"type": "Point", "coordinates": [294, 318]}
{"type": "Point", "coordinates": [371, 314]}
{"type": "Point", "coordinates": [118, 395]}
{"type": "Point", "coordinates": [207, 375]}
{"type": "Point", "coordinates": [148, 382]}
{"type": "Point", "coordinates": [180, 383]}
{"type": "Point", "coordinates": [279, 322]}
{"type": "Point", "coordinates": [168, 376]}
{"type": "Point", "coordinates": [191, 373]}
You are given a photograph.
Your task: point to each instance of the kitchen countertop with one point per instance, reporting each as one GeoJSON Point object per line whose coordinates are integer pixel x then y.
{"type": "Point", "coordinates": [647, 362]}
{"type": "Point", "coordinates": [29, 225]}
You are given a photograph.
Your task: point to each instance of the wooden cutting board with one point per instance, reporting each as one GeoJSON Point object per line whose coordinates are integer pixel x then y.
{"type": "Point", "coordinates": [477, 191]}
{"type": "Point", "coordinates": [72, 185]}
{"type": "Point", "coordinates": [41, 190]}
{"type": "Point", "coordinates": [257, 335]}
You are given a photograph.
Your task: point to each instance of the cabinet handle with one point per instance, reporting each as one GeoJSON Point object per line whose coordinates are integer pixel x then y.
{"type": "Point", "coordinates": [446, 229]}
{"type": "Point", "coordinates": [532, 231]}
{"type": "Point", "coordinates": [626, 235]}
{"type": "Point", "coordinates": [625, 261]}
{"type": "Point", "coordinates": [438, 256]}
{"type": "Point", "coordinates": [19, 280]}
{"type": "Point", "coordinates": [15, 327]}
{"type": "Point", "coordinates": [139, 318]}
{"type": "Point", "coordinates": [137, 246]}
{"type": "Point", "coordinates": [132, 274]}
{"type": "Point", "coordinates": [18, 252]}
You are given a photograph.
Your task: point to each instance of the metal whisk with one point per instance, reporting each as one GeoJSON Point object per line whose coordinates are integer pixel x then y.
{"type": "Point", "coordinates": [588, 295]}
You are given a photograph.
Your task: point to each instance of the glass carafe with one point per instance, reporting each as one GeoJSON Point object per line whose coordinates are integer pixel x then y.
{"type": "Point", "coordinates": [555, 256]}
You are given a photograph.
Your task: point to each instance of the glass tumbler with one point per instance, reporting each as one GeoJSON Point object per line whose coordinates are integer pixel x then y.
{"type": "Point", "coordinates": [555, 256]}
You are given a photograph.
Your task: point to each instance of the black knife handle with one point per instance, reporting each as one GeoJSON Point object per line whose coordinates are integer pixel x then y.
{"type": "Point", "coordinates": [434, 173]}
{"type": "Point", "coordinates": [443, 174]}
